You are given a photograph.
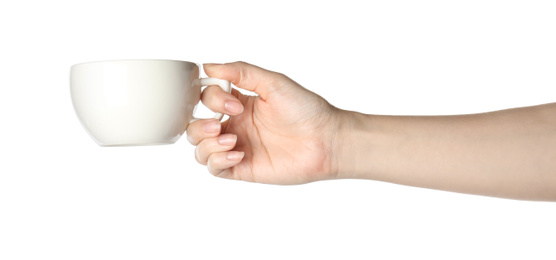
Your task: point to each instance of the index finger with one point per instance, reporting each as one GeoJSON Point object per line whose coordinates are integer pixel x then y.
{"type": "Point", "coordinates": [245, 76]}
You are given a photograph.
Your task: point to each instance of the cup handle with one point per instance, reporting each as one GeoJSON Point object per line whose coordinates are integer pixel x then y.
{"type": "Point", "coordinates": [223, 84]}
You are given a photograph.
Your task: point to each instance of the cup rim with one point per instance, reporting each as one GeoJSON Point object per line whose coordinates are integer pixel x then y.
{"type": "Point", "coordinates": [125, 60]}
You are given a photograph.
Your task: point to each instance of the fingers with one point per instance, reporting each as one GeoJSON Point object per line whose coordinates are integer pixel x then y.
{"type": "Point", "coordinates": [213, 149]}
{"type": "Point", "coordinates": [219, 162]}
{"type": "Point", "coordinates": [218, 144]}
{"type": "Point", "coordinates": [246, 76]}
{"type": "Point", "coordinates": [220, 101]}
{"type": "Point", "coordinates": [217, 155]}
{"type": "Point", "coordinates": [203, 129]}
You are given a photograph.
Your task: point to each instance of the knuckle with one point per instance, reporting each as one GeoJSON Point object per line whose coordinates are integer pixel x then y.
{"type": "Point", "coordinates": [212, 96]}
{"type": "Point", "coordinates": [211, 169]}
{"type": "Point", "coordinates": [240, 63]}
{"type": "Point", "coordinates": [191, 140]}
{"type": "Point", "coordinates": [217, 161]}
{"type": "Point", "coordinates": [198, 157]}
{"type": "Point", "coordinates": [282, 77]}
{"type": "Point", "coordinates": [193, 132]}
{"type": "Point", "coordinates": [209, 92]}
{"type": "Point", "coordinates": [202, 151]}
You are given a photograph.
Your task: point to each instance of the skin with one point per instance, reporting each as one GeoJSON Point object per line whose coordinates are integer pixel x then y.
{"type": "Point", "coordinates": [509, 153]}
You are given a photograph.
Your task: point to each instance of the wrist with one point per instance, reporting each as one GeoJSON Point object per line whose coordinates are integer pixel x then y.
{"type": "Point", "coordinates": [355, 145]}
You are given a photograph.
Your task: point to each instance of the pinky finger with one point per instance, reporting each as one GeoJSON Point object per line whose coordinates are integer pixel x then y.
{"type": "Point", "coordinates": [218, 162]}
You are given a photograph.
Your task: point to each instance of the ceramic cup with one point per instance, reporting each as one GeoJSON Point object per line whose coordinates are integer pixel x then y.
{"type": "Point", "coordinates": [137, 102]}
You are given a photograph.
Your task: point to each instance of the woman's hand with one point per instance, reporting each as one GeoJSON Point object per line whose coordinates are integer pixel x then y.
{"type": "Point", "coordinates": [285, 135]}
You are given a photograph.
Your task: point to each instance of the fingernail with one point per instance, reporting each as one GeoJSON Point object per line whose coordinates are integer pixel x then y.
{"type": "Point", "coordinates": [227, 139]}
{"type": "Point", "coordinates": [233, 107]}
{"type": "Point", "coordinates": [211, 127]}
{"type": "Point", "coordinates": [235, 156]}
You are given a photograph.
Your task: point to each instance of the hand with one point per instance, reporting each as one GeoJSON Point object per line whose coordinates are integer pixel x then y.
{"type": "Point", "coordinates": [289, 135]}
{"type": "Point", "coordinates": [285, 135]}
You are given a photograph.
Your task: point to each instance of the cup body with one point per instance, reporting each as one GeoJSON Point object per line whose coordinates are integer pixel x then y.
{"type": "Point", "coordinates": [135, 102]}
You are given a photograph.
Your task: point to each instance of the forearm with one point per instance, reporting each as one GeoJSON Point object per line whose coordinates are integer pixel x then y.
{"type": "Point", "coordinates": [509, 153]}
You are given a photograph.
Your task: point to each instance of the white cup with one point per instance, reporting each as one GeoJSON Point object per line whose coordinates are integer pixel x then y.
{"type": "Point", "coordinates": [137, 102]}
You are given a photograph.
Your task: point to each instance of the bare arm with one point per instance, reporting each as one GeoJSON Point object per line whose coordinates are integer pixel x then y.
{"type": "Point", "coordinates": [509, 153]}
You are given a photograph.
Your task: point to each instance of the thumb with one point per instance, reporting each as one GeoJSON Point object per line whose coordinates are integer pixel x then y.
{"type": "Point", "coordinates": [245, 76]}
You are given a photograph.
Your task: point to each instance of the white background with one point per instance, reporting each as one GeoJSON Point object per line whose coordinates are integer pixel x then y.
{"type": "Point", "coordinates": [63, 197]}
